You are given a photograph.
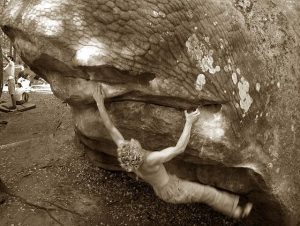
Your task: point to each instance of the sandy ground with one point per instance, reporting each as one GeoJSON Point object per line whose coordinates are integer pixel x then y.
{"type": "Point", "coordinates": [51, 182]}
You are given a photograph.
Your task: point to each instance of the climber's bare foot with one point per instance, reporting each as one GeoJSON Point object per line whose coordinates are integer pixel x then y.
{"type": "Point", "coordinates": [247, 210]}
{"type": "Point", "coordinates": [242, 212]}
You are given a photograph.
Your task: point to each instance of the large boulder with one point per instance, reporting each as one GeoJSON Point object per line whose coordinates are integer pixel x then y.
{"type": "Point", "coordinates": [237, 59]}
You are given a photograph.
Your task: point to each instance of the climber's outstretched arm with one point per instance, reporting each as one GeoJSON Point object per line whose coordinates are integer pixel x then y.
{"type": "Point", "coordinates": [165, 155]}
{"type": "Point", "coordinates": [115, 134]}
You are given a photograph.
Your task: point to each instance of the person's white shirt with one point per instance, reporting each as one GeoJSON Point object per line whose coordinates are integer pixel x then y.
{"type": "Point", "coordinates": [10, 70]}
{"type": "Point", "coordinates": [24, 82]}
{"type": "Point", "coordinates": [19, 93]}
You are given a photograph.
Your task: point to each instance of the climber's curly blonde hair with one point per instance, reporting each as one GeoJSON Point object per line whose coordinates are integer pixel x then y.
{"type": "Point", "coordinates": [130, 155]}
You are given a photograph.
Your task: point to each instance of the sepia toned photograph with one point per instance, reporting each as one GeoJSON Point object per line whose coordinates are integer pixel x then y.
{"type": "Point", "coordinates": [150, 112]}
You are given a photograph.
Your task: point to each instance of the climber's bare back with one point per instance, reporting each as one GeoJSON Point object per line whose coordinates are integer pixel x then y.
{"type": "Point", "coordinates": [156, 175]}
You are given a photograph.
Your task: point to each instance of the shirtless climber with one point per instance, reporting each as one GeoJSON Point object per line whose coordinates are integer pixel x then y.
{"type": "Point", "coordinates": [149, 166]}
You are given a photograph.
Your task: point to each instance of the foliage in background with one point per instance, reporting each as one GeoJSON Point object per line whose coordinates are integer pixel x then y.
{"type": "Point", "coordinates": [5, 47]}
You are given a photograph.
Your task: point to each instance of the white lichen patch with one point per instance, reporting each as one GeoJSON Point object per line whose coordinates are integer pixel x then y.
{"type": "Point", "coordinates": [234, 78]}
{"type": "Point", "coordinates": [162, 14]}
{"type": "Point", "coordinates": [199, 52]}
{"type": "Point", "coordinates": [207, 65]}
{"type": "Point", "coordinates": [227, 68]}
{"type": "Point", "coordinates": [278, 85]}
{"type": "Point", "coordinates": [200, 82]}
{"type": "Point", "coordinates": [223, 43]}
{"type": "Point", "coordinates": [245, 98]}
{"type": "Point", "coordinates": [293, 128]}
{"type": "Point", "coordinates": [257, 87]}
{"type": "Point", "coordinates": [155, 13]}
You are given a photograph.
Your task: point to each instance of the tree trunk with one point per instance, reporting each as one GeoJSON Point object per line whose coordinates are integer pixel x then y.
{"type": "Point", "coordinates": [15, 54]}
{"type": "Point", "coordinates": [10, 49]}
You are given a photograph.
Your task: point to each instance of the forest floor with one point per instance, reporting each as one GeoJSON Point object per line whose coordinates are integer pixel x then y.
{"type": "Point", "coordinates": [50, 181]}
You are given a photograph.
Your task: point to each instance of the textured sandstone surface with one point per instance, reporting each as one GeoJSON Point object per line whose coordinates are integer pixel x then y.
{"type": "Point", "coordinates": [239, 60]}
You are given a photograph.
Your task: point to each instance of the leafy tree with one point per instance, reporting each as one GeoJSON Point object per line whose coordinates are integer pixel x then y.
{"type": "Point", "coordinates": [5, 46]}
{"type": "Point", "coordinates": [1, 53]}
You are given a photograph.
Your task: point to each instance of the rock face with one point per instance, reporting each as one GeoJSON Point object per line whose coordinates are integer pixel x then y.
{"type": "Point", "coordinates": [239, 60]}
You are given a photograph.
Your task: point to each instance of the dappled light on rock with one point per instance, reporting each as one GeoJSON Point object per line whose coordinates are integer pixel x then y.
{"type": "Point", "coordinates": [236, 60]}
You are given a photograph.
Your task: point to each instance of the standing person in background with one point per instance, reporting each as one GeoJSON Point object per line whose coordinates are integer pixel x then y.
{"type": "Point", "coordinates": [10, 71]}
